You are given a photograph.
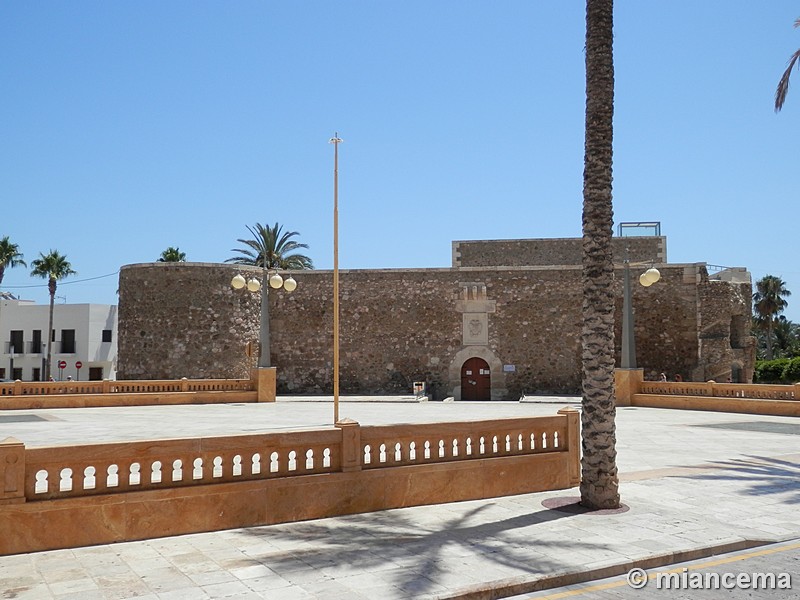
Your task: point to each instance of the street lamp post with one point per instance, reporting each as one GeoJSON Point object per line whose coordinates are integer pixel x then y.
{"type": "Point", "coordinates": [274, 281]}
{"type": "Point", "coordinates": [648, 278]}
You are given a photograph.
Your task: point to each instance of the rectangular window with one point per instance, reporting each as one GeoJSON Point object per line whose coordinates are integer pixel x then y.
{"type": "Point", "coordinates": [16, 346]}
{"type": "Point", "coordinates": [106, 335]}
{"type": "Point", "coordinates": [16, 374]}
{"type": "Point", "coordinates": [36, 343]}
{"type": "Point", "coordinates": [37, 374]}
{"type": "Point", "coordinates": [68, 341]}
{"type": "Point", "coordinates": [95, 373]}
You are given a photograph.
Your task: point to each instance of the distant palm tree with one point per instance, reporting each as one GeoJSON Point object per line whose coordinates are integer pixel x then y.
{"type": "Point", "coordinates": [787, 338]}
{"type": "Point", "coordinates": [53, 267]}
{"type": "Point", "coordinates": [599, 479]}
{"type": "Point", "coordinates": [768, 303]}
{"type": "Point", "coordinates": [271, 248]}
{"type": "Point", "coordinates": [172, 255]}
{"type": "Point", "coordinates": [10, 256]}
{"type": "Point", "coordinates": [783, 84]}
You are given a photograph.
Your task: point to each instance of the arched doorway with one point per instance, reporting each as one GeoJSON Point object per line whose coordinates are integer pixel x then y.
{"type": "Point", "coordinates": [476, 380]}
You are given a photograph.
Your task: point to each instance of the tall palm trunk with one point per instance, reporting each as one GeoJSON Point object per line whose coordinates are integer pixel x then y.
{"type": "Point", "coordinates": [599, 483]}
{"type": "Point", "coordinates": [51, 285]}
{"type": "Point", "coordinates": [770, 327]}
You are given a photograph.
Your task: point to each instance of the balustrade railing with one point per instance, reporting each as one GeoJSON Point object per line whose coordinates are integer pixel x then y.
{"type": "Point", "coordinates": [46, 388]}
{"type": "Point", "coordinates": [70, 471]}
{"type": "Point", "coordinates": [58, 472]}
{"type": "Point", "coordinates": [721, 390]}
{"type": "Point", "coordinates": [403, 445]}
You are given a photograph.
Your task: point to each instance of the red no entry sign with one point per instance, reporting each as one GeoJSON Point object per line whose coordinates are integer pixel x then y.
{"type": "Point", "coordinates": [62, 364]}
{"type": "Point", "coordinates": [78, 365]}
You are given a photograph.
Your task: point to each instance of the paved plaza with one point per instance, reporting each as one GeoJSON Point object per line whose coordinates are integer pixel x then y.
{"type": "Point", "coordinates": [693, 484]}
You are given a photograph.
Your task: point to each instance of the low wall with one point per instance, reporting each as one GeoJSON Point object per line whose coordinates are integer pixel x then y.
{"type": "Point", "coordinates": [752, 406]}
{"type": "Point", "coordinates": [777, 400]}
{"type": "Point", "coordinates": [70, 496]}
{"type": "Point", "coordinates": [22, 395]}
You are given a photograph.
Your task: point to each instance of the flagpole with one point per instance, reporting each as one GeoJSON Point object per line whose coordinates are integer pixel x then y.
{"type": "Point", "coordinates": [335, 140]}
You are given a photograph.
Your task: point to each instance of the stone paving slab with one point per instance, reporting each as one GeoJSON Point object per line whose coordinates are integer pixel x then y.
{"type": "Point", "coordinates": [693, 483]}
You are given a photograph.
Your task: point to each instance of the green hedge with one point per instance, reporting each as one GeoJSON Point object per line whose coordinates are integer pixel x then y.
{"type": "Point", "coordinates": [780, 370]}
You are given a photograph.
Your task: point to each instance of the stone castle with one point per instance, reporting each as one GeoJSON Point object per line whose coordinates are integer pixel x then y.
{"type": "Point", "coordinates": [502, 322]}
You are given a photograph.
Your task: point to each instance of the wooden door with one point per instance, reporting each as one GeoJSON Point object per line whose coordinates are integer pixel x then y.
{"type": "Point", "coordinates": [476, 380]}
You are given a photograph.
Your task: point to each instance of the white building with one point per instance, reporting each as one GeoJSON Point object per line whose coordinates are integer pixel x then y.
{"type": "Point", "coordinates": [84, 340]}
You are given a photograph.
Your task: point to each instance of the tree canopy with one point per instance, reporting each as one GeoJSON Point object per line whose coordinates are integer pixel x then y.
{"type": "Point", "coordinates": [271, 248]}
{"type": "Point", "coordinates": [769, 301]}
{"type": "Point", "coordinates": [10, 256]}
{"type": "Point", "coordinates": [172, 255]}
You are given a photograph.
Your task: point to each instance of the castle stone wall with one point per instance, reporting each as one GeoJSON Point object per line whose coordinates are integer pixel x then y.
{"type": "Point", "coordinates": [399, 326]}
{"type": "Point", "coordinates": [550, 252]}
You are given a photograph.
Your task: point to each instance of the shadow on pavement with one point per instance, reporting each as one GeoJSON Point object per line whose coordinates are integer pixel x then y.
{"type": "Point", "coordinates": [764, 475]}
{"type": "Point", "coordinates": [422, 551]}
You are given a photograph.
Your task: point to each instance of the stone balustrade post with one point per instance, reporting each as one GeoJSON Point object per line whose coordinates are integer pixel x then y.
{"type": "Point", "coordinates": [351, 444]}
{"type": "Point", "coordinates": [573, 443]}
{"type": "Point", "coordinates": [797, 391]}
{"type": "Point", "coordinates": [18, 388]}
{"type": "Point", "coordinates": [184, 384]}
{"type": "Point", "coordinates": [265, 379]}
{"type": "Point", "coordinates": [106, 386]}
{"type": "Point", "coordinates": [12, 471]}
{"type": "Point", "coordinates": [627, 383]}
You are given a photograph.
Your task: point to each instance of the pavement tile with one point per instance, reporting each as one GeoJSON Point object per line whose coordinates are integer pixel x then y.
{"type": "Point", "coordinates": [165, 579]}
{"type": "Point", "coordinates": [186, 593]}
{"type": "Point", "coordinates": [269, 583]}
{"type": "Point", "coordinates": [23, 588]}
{"type": "Point", "coordinates": [209, 575]}
{"type": "Point", "coordinates": [70, 586]}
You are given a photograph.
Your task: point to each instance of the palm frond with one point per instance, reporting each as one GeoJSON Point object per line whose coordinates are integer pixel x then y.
{"type": "Point", "coordinates": [783, 84]}
{"type": "Point", "coordinates": [271, 248]}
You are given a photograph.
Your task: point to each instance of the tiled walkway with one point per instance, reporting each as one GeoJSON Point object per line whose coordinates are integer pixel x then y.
{"type": "Point", "coordinates": [690, 480]}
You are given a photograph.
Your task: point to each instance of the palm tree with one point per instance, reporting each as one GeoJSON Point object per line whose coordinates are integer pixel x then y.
{"type": "Point", "coordinates": [52, 267]}
{"type": "Point", "coordinates": [271, 248]}
{"type": "Point", "coordinates": [599, 479]}
{"type": "Point", "coordinates": [783, 84]}
{"type": "Point", "coordinates": [172, 255]}
{"type": "Point", "coordinates": [787, 337]}
{"type": "Point", "coordinates": [10, 256]}
{"type": "Point", "coordinates": [768, 303]}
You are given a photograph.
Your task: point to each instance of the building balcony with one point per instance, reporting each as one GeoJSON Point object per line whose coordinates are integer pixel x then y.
{"type": "Point", "coordinates": [34, 348]}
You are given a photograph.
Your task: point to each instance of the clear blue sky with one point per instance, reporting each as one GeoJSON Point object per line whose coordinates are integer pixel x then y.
{"type": "Point", "coordinates": [128, 127]}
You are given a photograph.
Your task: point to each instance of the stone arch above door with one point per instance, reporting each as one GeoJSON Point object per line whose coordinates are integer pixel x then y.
{"type": "Point", "coordinates": [495, 364]}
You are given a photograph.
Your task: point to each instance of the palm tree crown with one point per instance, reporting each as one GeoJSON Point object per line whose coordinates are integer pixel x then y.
{"type": "Point", "coordinates": [271, 248]}
{"type": "Point", "coordinates": [10, 256]}
{"type": "Point", "coordinates": [52, 267]}
{"type": "Point", "coordinates": [768, 302]}
{"type": "Point", "coordinates": [172, 255]}
{"type": "Point", "coordinates": [783, 84]}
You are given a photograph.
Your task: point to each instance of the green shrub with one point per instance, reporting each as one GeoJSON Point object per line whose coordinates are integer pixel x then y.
{"type": "Point", "coordinates": [791, 372]}
{"type": "Point", "coordinates": [770, 371]}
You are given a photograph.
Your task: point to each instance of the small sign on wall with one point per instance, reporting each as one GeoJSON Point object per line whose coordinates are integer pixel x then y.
{"type": "Point", "coordinates": [509, 368]}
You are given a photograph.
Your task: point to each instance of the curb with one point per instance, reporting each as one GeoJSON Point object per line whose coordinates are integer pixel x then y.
{"type": "Point", "coordinates": [524, 584]}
